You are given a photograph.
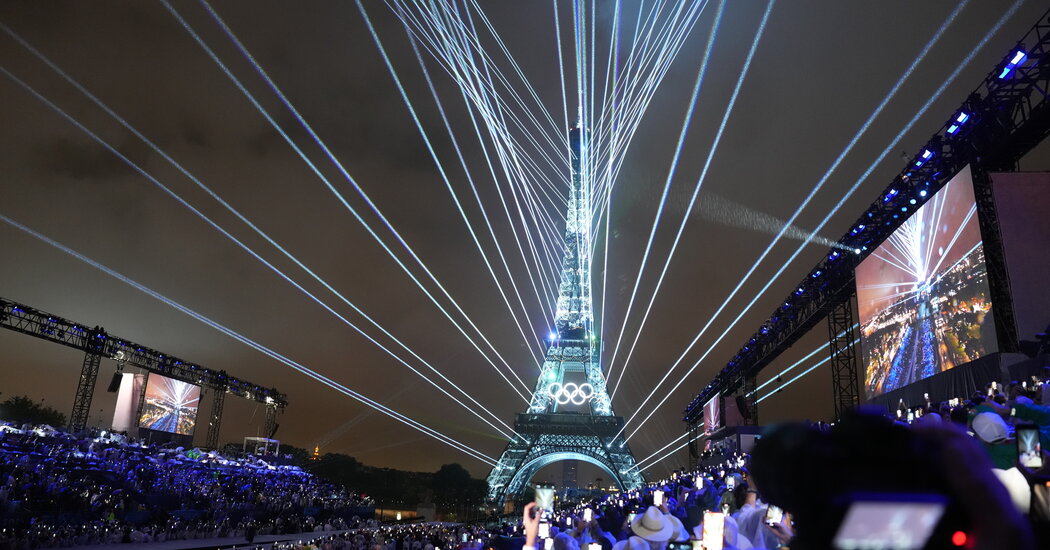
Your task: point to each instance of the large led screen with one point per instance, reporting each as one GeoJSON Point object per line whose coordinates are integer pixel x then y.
{"type": "Point", "coordinates": [170, 405]}
{"type": "Point", "coordinates": [923, 294]}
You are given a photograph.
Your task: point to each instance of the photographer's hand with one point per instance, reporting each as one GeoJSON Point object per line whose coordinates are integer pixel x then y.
{"type": "Point", "coordinates": [531, 522]}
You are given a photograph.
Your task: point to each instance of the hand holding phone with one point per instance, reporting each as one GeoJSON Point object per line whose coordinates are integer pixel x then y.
{"type": "Point", "coordinates": [774, 515]}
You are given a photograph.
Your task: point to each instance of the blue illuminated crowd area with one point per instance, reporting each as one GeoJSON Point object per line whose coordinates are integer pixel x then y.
{"type": "Point", "coordinates": [60, 490]}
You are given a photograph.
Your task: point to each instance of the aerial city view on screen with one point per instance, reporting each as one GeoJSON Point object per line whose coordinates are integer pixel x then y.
{"type": "Point", "coordinates": [170, 405]}
{"type": "Point", "coordinates": [923, 294]}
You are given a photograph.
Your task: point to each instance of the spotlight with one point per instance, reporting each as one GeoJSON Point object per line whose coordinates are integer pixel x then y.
{"type": "Point", "coordinates": [922, 193]}
{"type": "Point", "coordinates": [926, 155]}
{"type": "Point", "coordinates": [889, 196]}
{"type": "Point", "coordinates": [959, 121]}
{"type": "Point", "coordinates": [1017, 59]}
{"type": "Point", "coordinates": [911, 201]}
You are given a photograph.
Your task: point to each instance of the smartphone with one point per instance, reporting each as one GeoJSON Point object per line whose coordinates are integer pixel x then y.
{"type": "Point", "coordinates": [714, 527]}
{"type": "Point", "coordinates": [911, 417]}
{"type": "Point", "coordinates": [545, 530]}
{"type": "Point", "coordinates": [548, 544]}
{"type": "Point", "coordinates": [463, 538]}
{"type": "Point", "coordinates": [903, 522]}
{"type": "Point", "coordinates": [730, 483]}
{"type": "Point", "coordinates": [630, 517]}
{"type": "Point", "coordinates": [594, 546]}
{"type": "Point", "coordinates": [658, 498]}
{"type": "Point", "coordinates": [588, 515]}
{"type": "Point", "coordinates": [545, 497]}
{"type": "Point", "coordinates": [774, 515]}
{"type": "Point", "coordinates": [1029, 452]}
{"type": "Point", "coordinates": [568, 522]}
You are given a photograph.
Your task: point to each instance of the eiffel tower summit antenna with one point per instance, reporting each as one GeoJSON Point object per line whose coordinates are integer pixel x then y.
{"type": "Point", "coordinates": [570, 416]}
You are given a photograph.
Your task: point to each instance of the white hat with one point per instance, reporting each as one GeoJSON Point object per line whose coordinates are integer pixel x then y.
{"type": "Point", "coordinates": [564, 541]}
{"type": "Point", "coordinates": [653, 525]}
{"type": "Point", "coordinates": [679, 533]}
{"type": "Point", "coordinates": [1017, 486]}
{"type": "Point", "coordinates": [929, 419]}
{"type": "Point", "coordinates": [990, 427]}
{"type": "Point", "coordinates": [633, 543]}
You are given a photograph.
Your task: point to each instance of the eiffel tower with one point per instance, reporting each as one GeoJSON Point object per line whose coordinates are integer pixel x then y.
{"type": "Point", "coordinates": [569, 420]}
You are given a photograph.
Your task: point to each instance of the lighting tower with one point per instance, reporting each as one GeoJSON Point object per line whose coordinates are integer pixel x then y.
{"type": "Point", "coordinates": [569, 420]}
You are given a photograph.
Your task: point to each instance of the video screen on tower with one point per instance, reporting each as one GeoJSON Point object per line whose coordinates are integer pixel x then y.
{"type": "Point", "coordinates": [170, 405]}
{"type": "Point", "coordinates": [923, 294]}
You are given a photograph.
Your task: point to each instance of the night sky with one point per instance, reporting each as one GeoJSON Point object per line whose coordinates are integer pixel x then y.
{"type": "Point", "coordinates": [819, 71]}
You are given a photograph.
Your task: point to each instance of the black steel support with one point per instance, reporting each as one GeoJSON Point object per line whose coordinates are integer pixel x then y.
{"type": "Point", "coordinates": [995, 261]}
{"type": "Point", "coordinates": [142, 396]}
{"type": "Point", "coordinates": [85, 391]}
{"type": "Point", "coordinates": [1007, 115]}
{"type": "Point", "coordinates": [750, 401]}
{"type": "Point", "coordinates": [33, 322]}
{"type": "Point", "coordinates": [271, 421]}
{"type": "Point", "coordinates": [843, 349]}
{"type": "Point", "coordinates": [692, 435]}
{"type": "Point", "coordinates": [212, 441]}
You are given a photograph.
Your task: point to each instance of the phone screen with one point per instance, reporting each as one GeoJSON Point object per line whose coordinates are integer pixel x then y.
{"type": "Point", "coordinates": [463, 538]}
{"type": "Point", "coordinates": [889, 524]}
{"type": "Point", "coordinates": [658, 498]}
{"type": "Point", "coordinates": [630, 517]}
{"type": "Point", "coordinates": [730, 483]}
{"type": "Point", "coordinates": [1029, 452]}
{"type": "Point", "coordinates": [545, 497]}
{"type": "Point", "coordinates": [774, 515]}
{"type": "Point", "coordinates": [548, 544]}
{"type": "Point", "coordinates": [545, 530]}
{"type": "Point", "coordinates": [594, 546]}
{"type": "Point", "coordinates": [588, 514]}
{"type": "Point", "coordinates": [714, 526]}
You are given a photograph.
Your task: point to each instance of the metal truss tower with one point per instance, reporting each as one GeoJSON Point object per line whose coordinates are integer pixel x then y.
{"type": "Point", "coordinates": [569, 419]}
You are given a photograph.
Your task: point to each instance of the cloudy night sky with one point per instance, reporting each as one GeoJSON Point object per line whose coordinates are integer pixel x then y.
{"type": "Point", "coordinates": [819, 71]}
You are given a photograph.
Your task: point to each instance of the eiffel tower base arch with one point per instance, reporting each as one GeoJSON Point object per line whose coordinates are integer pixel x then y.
{"type": "Point", "coordinates": [548, 438]}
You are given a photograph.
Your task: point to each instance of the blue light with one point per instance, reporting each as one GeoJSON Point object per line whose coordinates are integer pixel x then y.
{"type": "Point", "coordinates": [890, 195]}
{"type": "Point", "coordinates": [834, 255]}
{"type": "Point", "coordinates": [1019, 58]}
{"type": "Point", "coordinates": [927, 154]}
{"type": "Point", "coordinates": [911, 201]}
{"type": "Point", "coordinates": [554, 335]}
{"type": "Point", "coordinates": [963, 117]}
{"type": "Point", "coordinates": [1006, 71]}
{"type": "Point", "coordinates": [953, 128]}
{"type": "Point", "coordinates": [922, 193]}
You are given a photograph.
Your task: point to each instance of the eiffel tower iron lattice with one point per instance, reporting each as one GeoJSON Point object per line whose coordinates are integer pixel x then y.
{"type": "Point", "coordinates": [569, 420]}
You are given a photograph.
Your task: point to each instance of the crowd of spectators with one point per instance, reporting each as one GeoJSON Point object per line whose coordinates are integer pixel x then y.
{"type": "Point", "coordinates": [58, 490]}
{"type": "Point", "coordinates": [794, 490]}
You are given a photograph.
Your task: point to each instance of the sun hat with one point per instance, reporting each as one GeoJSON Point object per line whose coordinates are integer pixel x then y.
{"type": "Point", "coordinates": [990, 427]}
{"type": "Point", "coordinates": [653, 525]}
{"type": "Point", "coordinates": [633, 543]}
{"type": "Point", "coordinates": [679, 533]}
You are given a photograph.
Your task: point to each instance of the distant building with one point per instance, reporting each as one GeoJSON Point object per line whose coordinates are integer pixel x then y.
{"type": "Point", "coordinates": [568, 474]}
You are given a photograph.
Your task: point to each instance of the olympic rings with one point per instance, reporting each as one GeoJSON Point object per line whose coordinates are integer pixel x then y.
{"type": "Point", "coordinates": [571, 393]}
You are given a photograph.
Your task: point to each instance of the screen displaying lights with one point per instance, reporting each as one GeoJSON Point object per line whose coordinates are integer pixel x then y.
{"type": "Point", "coordinates": [923, 294]}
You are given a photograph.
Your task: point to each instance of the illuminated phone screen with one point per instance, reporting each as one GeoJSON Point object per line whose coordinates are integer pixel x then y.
{"type": "Point", "coordinates": [888, 524]}
{"type": "Point", "coordinates": [714, 527]}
